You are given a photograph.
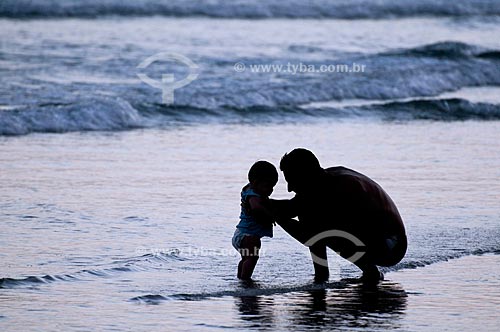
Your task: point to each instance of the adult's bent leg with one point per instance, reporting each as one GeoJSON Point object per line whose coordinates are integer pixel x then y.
{"type": "Point", "coordinates": [317, 250]}
{"type": "Point", "coordinates": [392, 250]}
{"type": "Point", "coordinates": [360, 255]}
{"type": "Point", "coordinates": [320, 262]}
{"type": "Point", "coordinates": [296, 230]}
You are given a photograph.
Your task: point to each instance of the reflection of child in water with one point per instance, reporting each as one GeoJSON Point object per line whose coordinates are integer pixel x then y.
{"type": "Point", "coordinates": [255, 219]}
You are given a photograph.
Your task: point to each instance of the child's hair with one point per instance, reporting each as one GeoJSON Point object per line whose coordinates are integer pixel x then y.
{"type": "Point", "coordinates": [263, 171]}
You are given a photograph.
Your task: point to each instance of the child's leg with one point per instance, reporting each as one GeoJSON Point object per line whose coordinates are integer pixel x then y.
{"type": "Point", "coordinates": [240, 267]}
{"type": "Point", "coordinates": [249, 250]}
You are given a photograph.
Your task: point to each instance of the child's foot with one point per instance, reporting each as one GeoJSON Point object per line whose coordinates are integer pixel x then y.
{"type": "Point", "coordinates": [244, 279]}
{"type": "Point", "coordinates": [247, 283]}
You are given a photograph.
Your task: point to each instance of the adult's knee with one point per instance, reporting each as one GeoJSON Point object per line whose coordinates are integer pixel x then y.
{"type": "Point", "coordinates": [394, 255]}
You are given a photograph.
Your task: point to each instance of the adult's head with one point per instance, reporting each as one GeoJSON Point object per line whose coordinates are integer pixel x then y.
{"type": "Point", "coordinates": [301, 169]}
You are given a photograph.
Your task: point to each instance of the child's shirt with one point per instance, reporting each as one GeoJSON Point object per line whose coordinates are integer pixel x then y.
{"type": "Point", "coordinates": [248, 224]}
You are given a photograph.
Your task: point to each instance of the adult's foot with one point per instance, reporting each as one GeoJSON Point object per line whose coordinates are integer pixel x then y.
{"type": "Point", "coordinates": [320, 279]}
{"type": "Point", "coordinates": [372, 275]}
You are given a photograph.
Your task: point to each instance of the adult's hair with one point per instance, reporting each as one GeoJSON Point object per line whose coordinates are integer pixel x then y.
{"type": "Point", "coordinates": [263, 171]}
{"type": "Point", "coordinates": [300, 161]}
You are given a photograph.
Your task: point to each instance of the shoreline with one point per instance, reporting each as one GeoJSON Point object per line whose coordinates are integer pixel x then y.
{"type": "Point", "coordinates": [460, 294]}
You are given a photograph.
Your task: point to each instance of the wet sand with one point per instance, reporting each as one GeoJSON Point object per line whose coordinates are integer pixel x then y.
{"type": "Point", "coordinates": [461, 294]}
{"type": "Point", "coordinates": [458, 295]}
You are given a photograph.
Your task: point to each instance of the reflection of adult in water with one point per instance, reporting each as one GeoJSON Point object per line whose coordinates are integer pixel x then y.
{"type": "Point", "coordinates": [349, 307]}
{"type": "Point", "coordinates": [346, 306]}
{"type": "Point", "coordinates": [341, 209]}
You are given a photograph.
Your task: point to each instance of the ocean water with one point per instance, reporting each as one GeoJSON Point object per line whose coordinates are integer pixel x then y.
{"type": "Point", "coordinates": [117, 210]}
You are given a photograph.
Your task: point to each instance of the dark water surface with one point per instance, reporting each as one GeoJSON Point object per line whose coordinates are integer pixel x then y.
{"type": "Point", "coordinates": [96, 224]}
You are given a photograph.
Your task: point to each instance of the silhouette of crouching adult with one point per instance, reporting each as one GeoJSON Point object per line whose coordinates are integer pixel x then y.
{"type": "Point", "coordinates": [343, 210]}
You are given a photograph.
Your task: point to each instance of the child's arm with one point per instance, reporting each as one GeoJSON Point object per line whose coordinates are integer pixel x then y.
{"type": "Point", "coordinates": [258, 209]}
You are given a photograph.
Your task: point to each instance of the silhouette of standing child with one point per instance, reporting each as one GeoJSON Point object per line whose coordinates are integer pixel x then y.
{"type": "Point", "coordinates": [256, 221]}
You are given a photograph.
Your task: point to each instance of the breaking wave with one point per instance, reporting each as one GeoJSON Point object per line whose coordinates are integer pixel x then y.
{"type": "Point", "coordinates": [407, 84]}
{"type": "Point", "coordinates": [343, 9]}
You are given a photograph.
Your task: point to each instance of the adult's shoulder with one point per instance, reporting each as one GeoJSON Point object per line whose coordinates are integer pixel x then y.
{"type": "Point", "coordinates": [354, 184]}
{"type": "Point", "coordinates": [344, 172]}
{"type": "Point", "coordinates": [348, 180]}
{"type": "Point", "coordinates": [341, 172]}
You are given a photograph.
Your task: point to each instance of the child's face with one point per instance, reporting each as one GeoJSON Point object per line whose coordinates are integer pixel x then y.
{"type": "Point", "coordinates": [263, 187]}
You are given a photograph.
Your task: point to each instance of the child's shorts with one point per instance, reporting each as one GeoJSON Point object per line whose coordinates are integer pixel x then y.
{"type": "Point", "coordinates": [237, 238]}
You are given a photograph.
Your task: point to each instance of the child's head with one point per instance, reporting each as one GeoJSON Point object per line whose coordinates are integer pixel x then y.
{"type": "Point", "coordinates": [263, 176]}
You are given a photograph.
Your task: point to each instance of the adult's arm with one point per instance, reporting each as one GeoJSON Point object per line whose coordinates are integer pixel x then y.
{"type": "Point", "coordinates": [283, 208]}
